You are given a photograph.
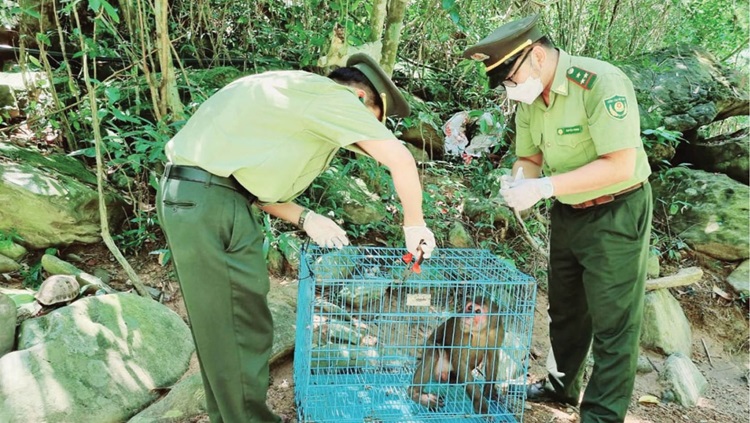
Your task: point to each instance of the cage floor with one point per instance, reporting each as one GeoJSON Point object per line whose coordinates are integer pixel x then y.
{"type": "Point", "coordinates": [350, 398]}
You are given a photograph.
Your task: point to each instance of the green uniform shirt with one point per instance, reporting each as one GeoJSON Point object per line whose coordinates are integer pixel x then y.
{"type": "Point", "coordinates": [275, 132]}
{"type": "Point", "coordinates": [592, 112]}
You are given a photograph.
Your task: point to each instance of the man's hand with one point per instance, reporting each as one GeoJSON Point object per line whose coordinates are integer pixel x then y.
{"type": "Point", "coordinates": [415, 235]}
{"type": "Point", "coordinates": [527, 192]}
{"type": "Point", "coordinates": [324, 231]}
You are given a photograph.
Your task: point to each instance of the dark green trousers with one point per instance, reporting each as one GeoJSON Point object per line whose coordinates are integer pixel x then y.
{"type": "Point", "coordinates": [217, 249]}
{"type": "Point", "coordinates": [596, 289]}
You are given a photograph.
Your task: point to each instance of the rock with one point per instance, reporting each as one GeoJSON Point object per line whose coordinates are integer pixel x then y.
{"type": "Point", "coordinates": [683, 88]}
{"type": "Point", "coordinates": [282, 301]}
{"type": "Point", "coordinates": [728, 154]}
{"type": "Point", "coordinates": [652, 267]}
{"type": "Point", "coordinates": [459, 237]}
{"type": "Point", "coordinates": [290, 245]}
{"type": "Point", "coordinates": [644, 366]}
{"type": "Point", "coordinates": [710, 211]}
{"type": "Point", "coordinates": [358, 205]}
{"type": "Point", "coordinates": [420, 155]}
{"type": "Point", "coordinates": [683, 380]}
{"type": "Point", "coordinates": [740, 279]}
{"type": "Point", "coordinates": [61, 192]}
{"type": "Point", "coordinates": [490, 211]}
{"type": "Point", "coordinates": [665, 327]}
{"type": "Point", "coordinates": [7, 324]}
{"type": "Point", "coordinates": [361, 293]}
{"type": "Point", "coordinates": [683, 277]}
{"type": "Point", "coordinates": [55, 266]}
{"type": "Point", "coordinates": [275, 261]}
{"type": "Point", "coordinates": [96, 360]}
{"type": "Point", "coordinates": [8, 265]}
{"type": "Point", "coordinates": [12, 250]}
{"type": "Point", "coordinates": [426, 139]}
{"type": "Point", "coordinates": [24, 301]}
{"type": "Point", "coordinates": [186, 399]}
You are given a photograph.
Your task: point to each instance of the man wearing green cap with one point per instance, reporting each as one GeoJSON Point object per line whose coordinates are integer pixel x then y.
{"type": "Point", "coordinates": [264, 138]}
{"type": "Point", "coordinates": [577, 123]}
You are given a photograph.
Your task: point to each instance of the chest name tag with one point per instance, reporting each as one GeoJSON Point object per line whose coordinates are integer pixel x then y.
{"type": "Point", "coordinates": [570, 130]}
{"type": "Point", "coordinates": [581, 77]}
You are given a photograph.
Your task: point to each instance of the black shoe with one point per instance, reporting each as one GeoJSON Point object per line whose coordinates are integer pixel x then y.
{"type": "Point", "coordinates": [543, 391]}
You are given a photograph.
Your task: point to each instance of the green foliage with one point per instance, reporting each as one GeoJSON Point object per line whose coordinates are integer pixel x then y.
{"type": "Point", "coordinates": [661, 135]}
{"type": "Point", "coordinates": [139, 232]}
{"type": "Point", "coordinates": [34, 276]}
{"type": "Point", "coordinates": [9, 237]}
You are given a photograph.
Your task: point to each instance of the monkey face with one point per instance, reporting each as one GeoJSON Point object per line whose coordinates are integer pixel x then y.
{"type": "Point", "coordinates": [478, 319]}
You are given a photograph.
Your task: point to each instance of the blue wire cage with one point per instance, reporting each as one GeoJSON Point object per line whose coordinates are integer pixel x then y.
{"type": "Point", "coordinates": [363, 321]}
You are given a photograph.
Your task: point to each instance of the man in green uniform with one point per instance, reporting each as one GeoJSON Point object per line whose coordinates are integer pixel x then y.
{"type": "Point", "coordinates": [577, 123]}
{"type": "Point", "coordinates": [264, 138]}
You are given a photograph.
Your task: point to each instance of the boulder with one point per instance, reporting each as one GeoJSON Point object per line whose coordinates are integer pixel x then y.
{"type": "Point", "coordinates": [7, 324]}
{"type": "Point", "coordinates": [727, 153]}
{"type": "Point", "coordinates": [682, 88]}
{"type": "Point", "coordinates": [707, 211]}
{"type": "Point", "coordinates": [61, 192]}
{"type": "Point", "coordinates": [740, 279]}
{"type": "Point", "coordinates": [97, 360]}
{"type": "Point", "coordinates": [665, 327]}
{"type": "Point", "coordinates": [683, 380]}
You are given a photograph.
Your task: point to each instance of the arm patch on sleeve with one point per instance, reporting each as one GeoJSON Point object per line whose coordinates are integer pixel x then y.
{"type": "Point", "coordinates": [581, 77]}
{"type": "Point", "coordinates": [617, 106]}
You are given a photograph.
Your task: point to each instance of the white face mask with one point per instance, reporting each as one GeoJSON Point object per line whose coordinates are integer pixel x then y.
{"type": "Point", "coordinates": [527, 91]}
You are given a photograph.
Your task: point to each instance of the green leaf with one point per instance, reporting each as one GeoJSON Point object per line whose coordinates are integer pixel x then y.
{"type": "Point", "coordinates": [447, 4]}
{"type": "Point", "coordinates": [95, 5]}
{"type": "Point", "coordinates": [111, 11]}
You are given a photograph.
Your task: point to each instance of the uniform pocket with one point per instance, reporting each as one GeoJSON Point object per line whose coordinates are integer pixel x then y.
{"type": "Point", "coordinates": [179, 204]}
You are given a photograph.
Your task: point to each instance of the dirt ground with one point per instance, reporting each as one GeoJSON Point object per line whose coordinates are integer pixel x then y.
{"type": "Point", "coordinates": [720, 346]}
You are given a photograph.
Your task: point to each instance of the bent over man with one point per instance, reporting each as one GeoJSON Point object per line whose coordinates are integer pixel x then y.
{"type": "Point", "coordinates": [578, 140]}
{"type": "Point", "coordinates": [264, 138]}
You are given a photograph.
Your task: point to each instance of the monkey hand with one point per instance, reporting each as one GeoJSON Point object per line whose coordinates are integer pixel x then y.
{"type": "Point", "coordinates": [324, 231]}
{"type": "Point", "coordinates": [427, 399]}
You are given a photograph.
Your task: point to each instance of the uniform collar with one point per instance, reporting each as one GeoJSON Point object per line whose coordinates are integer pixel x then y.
{"type": "Point", "coordinates": [560, 82]}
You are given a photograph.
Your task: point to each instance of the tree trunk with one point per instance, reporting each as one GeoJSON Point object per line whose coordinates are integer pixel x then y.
{"type": "Point", "coordinates": [379, 11]}
{"type": "Point", "coordinates": [393, 26]}
{"type": "Point", "coordinates": [170, 99]}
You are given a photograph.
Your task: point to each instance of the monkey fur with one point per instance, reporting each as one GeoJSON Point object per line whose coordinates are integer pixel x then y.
{"type": "Point", "coordinates": [458, 346]}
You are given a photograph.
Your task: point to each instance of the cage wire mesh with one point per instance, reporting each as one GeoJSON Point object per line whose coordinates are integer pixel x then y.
{"type": "Point", "coordinates": [364, 324]}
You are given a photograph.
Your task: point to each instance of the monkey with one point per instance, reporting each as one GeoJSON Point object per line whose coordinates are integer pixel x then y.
{"type": "Point", "coordinates": [458, 346]}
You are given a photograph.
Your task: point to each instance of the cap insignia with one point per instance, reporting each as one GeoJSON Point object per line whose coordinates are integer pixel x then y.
{"type": "Point", "coordinates": [481, 57]}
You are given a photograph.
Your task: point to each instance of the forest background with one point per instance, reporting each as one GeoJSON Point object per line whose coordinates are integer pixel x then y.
{"type": "Point", "coordinates": [125, 77]}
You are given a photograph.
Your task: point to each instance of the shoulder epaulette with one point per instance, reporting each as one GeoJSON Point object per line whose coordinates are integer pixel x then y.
{"type": "Point", "coordinates": [581, 77]}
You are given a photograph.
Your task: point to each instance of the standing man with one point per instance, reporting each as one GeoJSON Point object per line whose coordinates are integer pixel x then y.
{"type": "Point", "coordinates": [577, 123]}
{"type": "Point", "coordinates": [264, 138]}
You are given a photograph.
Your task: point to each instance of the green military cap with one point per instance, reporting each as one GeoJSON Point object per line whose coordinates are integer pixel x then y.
{"type": "Point", "coordinates": [500, 49]}
{"type": "Point", "coordinates": [394, 102]}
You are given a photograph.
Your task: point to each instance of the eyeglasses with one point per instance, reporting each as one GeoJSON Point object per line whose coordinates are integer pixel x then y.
{"type": "Point", "coordinates": [509, 82]}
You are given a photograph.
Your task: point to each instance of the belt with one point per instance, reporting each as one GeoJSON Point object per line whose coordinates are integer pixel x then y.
{"type": "Point", "coordinates": [196, 174]}
{"type": "Point", "coordinates": [608, 198]}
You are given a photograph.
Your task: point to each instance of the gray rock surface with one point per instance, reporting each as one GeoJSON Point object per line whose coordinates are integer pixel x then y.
{"type": "Point", "coordinates": [97, 360]}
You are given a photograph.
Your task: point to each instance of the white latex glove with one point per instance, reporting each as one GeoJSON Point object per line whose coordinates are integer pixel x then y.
{"type": "Point", "coordinates": [324, 231]}
{"type": "Point", "coordinates": [416, 234]}
{"type": "Point", "coordinates": [527, 192]}
{"type": "Point", "coordinates": [508, 181]}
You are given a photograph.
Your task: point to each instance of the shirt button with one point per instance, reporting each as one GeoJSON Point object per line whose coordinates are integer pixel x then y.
{"type": "Point", "coordinates": [553, 169]}
{"type": "Point", "coordinates": [546, 114]}
{"type": "Point", "coordinates": [548, 144]}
